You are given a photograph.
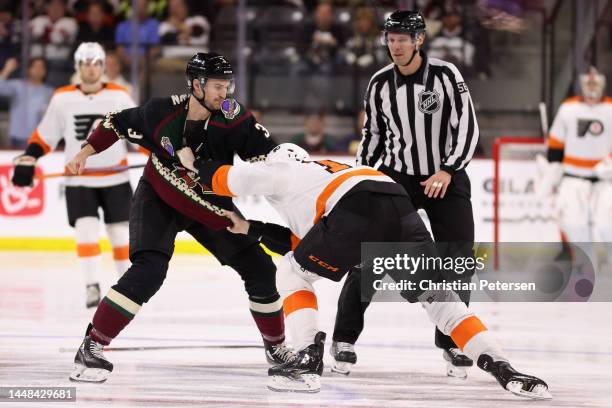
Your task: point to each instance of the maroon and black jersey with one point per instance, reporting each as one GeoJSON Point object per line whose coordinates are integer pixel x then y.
{"type": "Point", "coordinates": [160, 126]}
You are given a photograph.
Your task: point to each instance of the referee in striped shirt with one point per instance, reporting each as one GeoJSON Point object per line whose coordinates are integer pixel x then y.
{"type": "Point", "coordinates": [421, 130]}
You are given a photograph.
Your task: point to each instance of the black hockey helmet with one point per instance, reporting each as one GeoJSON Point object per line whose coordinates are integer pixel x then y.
{"type": "Point", "coordinates": [204, 65]}
{"type": "Point", "coordinates": [405, 22]}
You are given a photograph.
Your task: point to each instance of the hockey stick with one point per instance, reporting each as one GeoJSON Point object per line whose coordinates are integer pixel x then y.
{"type": "Point", "coordinates": [543, 119]}
{"type": "Point", "coordinates": [102, 171]}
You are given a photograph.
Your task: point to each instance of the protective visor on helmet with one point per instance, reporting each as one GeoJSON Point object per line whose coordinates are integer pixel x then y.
{"type": "Point", "coordinates": [230, 86]}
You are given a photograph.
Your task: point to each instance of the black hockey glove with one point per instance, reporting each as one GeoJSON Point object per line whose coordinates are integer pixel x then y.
{"type": "Point", "coordinates": [206, 169]}
{"type": "Point", "coordinates": [23, 174]}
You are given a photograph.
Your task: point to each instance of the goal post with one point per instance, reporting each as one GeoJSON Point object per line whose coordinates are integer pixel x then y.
{"type": "Point", "coordinates": [515, 205]}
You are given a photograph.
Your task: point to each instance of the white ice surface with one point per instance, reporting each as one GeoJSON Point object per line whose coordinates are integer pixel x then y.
{"type": "Point", "coordinates": [198, 345]}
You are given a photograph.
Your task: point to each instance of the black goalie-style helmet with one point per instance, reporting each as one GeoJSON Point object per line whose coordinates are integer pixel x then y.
{"type": "Point", "coordinates": [205, 65]}
{"type": "Point", "coordinates": [405, 22]}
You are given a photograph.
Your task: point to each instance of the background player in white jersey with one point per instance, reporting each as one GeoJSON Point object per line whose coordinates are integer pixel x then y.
{"type": "Point", "coordinates": [73, 112]}
{"type": "Point", "coordinates": [331, 208]}
{"type": "Point", "coordinates": [579, 148]}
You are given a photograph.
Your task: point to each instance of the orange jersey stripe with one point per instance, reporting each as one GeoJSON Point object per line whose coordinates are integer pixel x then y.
{"type": "Point", "coordinates": [87, 250]}
{"type": "Point", "coordinates": [67, 88]}
{"type": "Point", "coordinates": [116, 87]}
{"type": "Point", "coordinates": [573, 99]}
{"type": "Point", "coordinates": [219, 181]}
{"type": "Point", "coordinates": [35, 138]}
{"type": "Point", "coordinates": [333, 186]}
{"type": "Point", "coordinates": [121, 253]}
{"type": "Point", "coordinates": [555, 143]}
{"type": "Point", "coordinates": [467, 329]}
{"type": "Point", "coordinates": [295, 241]}
{"type": "Point", "coordinates": [302, 299]}
{"type": "Point", "coordinates": [578, 162]}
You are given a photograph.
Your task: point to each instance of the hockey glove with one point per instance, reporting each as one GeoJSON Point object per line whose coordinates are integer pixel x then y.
{"type": "Point", "coordinates": [603, 169]}
{"type": "Point", "coordinates": [23, 174]}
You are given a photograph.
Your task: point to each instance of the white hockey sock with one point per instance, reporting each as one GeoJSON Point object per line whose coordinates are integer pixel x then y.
{"type": "Point", "coordinates": [454, 319]}
{"type": "Point", "coordinates": [88, 247]}
{"type": "Point", "coordinates": [301, 315]}
{"type": "Point", "coordinates": [119, 237]}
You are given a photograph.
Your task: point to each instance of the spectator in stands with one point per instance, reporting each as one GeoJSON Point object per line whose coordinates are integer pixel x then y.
{"type": "Point", "coordinates": [94, 28]}
{"type": "Point", "coordinates": [148, 34]}
{"type": "Point", "coordinates": [314, 139]}
{"type": "Point", "coordinates": [319, 42]}
{"type": "Point", "coordinates": [114, 70]}
{"type": "Point", "coordinates": [183, 35]}
{"type": "Point", "coordinates": [28, 98]}
{"type": "Point", "coordinates": [350, 143]}
{"type": "Point", "coordinates": [80, 8]}
{"type": "Point", "coordinates": [53, 36]}
{"type": "Point", "coordinates": [155, 9]}
{"type": "Point", "coordinates": [8, 37]}
{"type": "Point", "coordinates": [364, 49]}
{"type": "Point", "coordinates": [450, 45]}
{"type": "Point", "coordinates": [54, 30]}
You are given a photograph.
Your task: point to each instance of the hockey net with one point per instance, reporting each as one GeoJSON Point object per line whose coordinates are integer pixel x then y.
{"type": "Point", "coordinates": [519, 214]}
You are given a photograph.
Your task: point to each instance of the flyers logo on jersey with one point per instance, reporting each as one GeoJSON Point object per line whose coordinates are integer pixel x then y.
{"type": "Point", "coordinates": [85, 124]}
{"type": "Point", "coordinates": [592, 126]}
{"type": "Point", "coordinates": [17, 201]}
{"type": "Point", "coordinates": [429, 101]}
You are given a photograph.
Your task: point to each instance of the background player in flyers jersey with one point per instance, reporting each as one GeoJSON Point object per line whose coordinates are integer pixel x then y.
{"type": "Point", "coordinates": [73, 112]}
{"type": "Point", "coordinates": [579, 156]}
{"type": "Point", "coordinates": [331, 208]}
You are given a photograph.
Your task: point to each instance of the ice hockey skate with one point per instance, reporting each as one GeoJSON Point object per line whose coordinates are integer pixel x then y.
{"type": "Point", "coordinates": [278, 353]}
{"type": "Point", "coordinates": [90, 363]}
{"type": "Point", "coordinates": [519, 384]}
{"type": "Point", "coordinates": [344, 357]}
{"type": "Point", "coordinates": [303, 373]}
{"type": "Point", "coordinates": [457, 363]}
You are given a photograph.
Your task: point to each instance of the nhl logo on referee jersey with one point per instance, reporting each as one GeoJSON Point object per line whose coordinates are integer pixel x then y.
{"type": "Point", "coordinates": [429, 101]}
{"type": "Point", "coordinates": [230, 108]}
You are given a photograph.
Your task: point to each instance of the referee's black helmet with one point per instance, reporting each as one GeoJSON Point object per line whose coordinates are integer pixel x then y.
{"type": "Point", "coordinates": [405, 22]}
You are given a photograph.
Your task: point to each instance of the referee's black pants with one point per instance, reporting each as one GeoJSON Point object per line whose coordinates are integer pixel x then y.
{"type": "Point", "coordinates": [452, 221]}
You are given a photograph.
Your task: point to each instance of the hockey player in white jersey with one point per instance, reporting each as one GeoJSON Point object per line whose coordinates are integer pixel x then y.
{"type": "Point", "coordinates": [73, 112]}
{"type": "Point", "coordinates": [331, 208]}
{"type": "Point", "coordinates": [579, 157]}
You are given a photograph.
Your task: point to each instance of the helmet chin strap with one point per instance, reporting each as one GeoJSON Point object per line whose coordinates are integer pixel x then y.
{"type": "Point", "coordinates": [414, 53]}
{"type": "Point", "coordinates": [202, 102]}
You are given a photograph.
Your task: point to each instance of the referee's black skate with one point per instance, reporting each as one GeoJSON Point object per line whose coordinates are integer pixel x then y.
{"type": "Point", "coordinates": [303, 373]}
{"type": "Point", "coordinates": [90, 365]}
{"type": "Point", "coordinates": [344, 357]}
{"type": "Point", "coordinates": [517, 383]}
{"type": "Point", "coordinates": [278, 353]}
{"type": "Point", "coordinates": [457, 363]}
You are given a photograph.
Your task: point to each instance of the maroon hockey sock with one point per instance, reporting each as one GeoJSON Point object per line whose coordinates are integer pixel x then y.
{"type": "Point", "coordinates": [269, 319]}
{"type": "Point", "coordinates": [114, 313]}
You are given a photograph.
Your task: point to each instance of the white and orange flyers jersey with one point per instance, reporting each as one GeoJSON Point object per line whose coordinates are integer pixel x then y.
{"type": "Point", "coordinates": [72, 115]}
{"type": "Point", "coordinates": [584, 133]}
{"type": "Point", "coordinates": [301, 192]}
